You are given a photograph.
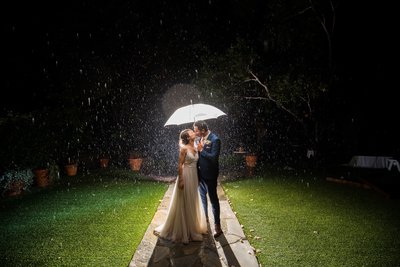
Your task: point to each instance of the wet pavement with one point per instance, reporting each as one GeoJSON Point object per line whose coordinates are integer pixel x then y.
{"type": "Point", "coordinates": [229, 249]}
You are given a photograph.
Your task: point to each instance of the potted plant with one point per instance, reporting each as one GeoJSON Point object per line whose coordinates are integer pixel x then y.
{"type": "Point", "coordinates": [39, 151]}
{"type": "Point", "coordinates": [104, 162]}
{"type": "Point", "coordinates": [54, 171]}
{"type": "Point", "coordinates": [46, 173]}
{"type": "Point", "coordinates": [102, 147]}
{"type": "Point", "coordinates": [251, 159]}
{"type": "Point", "coordinates": [40, 170]}
{"type": "Point", "coordinates": [14, 182]}
{"type": "Point", "coordinates": [72, 156]}
{"type": "Point", "coordinates": [72, 143]}
{"type": "Point", "coordinates": [104, 159]}
{"type": "Point", "coordinates": [41, 176]}
{"type": "Point", "coordinates": [135, 160]}
{"type": "Point", "coordinates": [71, 167]}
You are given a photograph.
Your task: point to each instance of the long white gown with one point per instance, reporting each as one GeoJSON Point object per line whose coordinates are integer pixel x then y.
{"type": "Point", "coordinates": [185, 220]}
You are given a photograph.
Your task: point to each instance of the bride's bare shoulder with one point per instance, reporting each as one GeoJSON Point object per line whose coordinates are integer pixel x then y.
{"type": "Point", "coordinates": [183, 149]}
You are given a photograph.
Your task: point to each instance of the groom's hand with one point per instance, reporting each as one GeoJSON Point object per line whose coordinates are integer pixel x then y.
{"type": "Point", "coordinates": [200, 146]}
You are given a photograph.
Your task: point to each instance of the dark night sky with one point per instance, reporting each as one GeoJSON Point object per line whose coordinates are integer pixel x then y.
{"type": "Point", "coordinates": [40, 37]}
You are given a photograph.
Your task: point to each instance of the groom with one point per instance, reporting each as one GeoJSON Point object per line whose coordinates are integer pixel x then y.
{"type": "Point", "coordinates": [209, 147]}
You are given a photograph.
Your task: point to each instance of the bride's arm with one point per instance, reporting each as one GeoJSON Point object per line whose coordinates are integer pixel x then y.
{"type": "Point", "coordinates": [181, 161]}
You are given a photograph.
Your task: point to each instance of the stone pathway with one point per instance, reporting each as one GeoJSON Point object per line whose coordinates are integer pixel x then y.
{"type": "Point", "coordinates": [230, 249]}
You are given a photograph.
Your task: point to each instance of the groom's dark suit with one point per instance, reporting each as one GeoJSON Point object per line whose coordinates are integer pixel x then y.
{"type": "Point", "coordinates": [208, 170]}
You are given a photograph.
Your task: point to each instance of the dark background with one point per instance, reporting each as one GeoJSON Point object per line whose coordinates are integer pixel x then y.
{"type": "Point", "coordinates": [134, 45]}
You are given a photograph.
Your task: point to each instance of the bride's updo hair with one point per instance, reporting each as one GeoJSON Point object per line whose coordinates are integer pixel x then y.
{"type": "Point", "coordinates": [184, 137]}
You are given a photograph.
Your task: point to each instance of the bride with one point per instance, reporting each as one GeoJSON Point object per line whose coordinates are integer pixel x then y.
{"type": "Point", "coordinates": [185, 220]}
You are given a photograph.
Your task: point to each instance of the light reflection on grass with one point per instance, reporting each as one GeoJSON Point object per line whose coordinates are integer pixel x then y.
{"type": "Point", "coordinates": [96, 220]}
{"type": "Point", "coordinates": [311, 222]}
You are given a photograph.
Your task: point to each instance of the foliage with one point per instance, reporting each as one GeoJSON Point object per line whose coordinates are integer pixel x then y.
{"type": "Point", "coordinates": [29, 140]}
{"type": "Point", "coordinates": [41, 146]}
{"type": "Point", "coordinates": [20, 175]}
{"type": "Point", "coordinates": [16, 132]}
{"type": "Point", "coordinates": [136, 154]}
{"type": "Point", "coordinates": [250, 85]}
{"type": "Point", "coordinates": [230, 162]}
{"type": "Point", "coordinates": [299, 96]}
{"type": "Point", "coordinates": [54, 171]}
{"type": "Point", "coordinates": [222, 73]}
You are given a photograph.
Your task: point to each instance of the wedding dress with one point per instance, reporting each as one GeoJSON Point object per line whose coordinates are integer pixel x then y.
{"type": "Point", "coordinates": [185, 219]}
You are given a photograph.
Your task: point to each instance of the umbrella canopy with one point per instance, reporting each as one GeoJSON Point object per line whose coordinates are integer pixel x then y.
{"type": "Point", "coordinates": [192, 113]}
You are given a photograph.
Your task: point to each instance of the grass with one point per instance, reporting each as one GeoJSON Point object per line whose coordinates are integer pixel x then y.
{"type": "Point", "coordinates": [292, 220]}
{"type": "Point", "coordinates": [93, 220]}
{"type": "Point", "coordinates": [306, 221]}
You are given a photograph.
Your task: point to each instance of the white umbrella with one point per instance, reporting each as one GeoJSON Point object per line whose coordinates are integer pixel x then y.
{"type": "Point", "coordinates": [192, 113]}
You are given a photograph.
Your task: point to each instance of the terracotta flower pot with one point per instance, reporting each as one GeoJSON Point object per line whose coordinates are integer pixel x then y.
{"type": "Point", "coordinates": [16, 188]}
{"type": "Point", "coordinates": [42, 177]}
{"type": "Point", "coordinates": [104, 162]}
{"type": "Point", "coordinates": [71, 169]}
{"type": "Point", "coordinates": [251, 160]}
{"type": "Point", "coordinates": [135, 164]}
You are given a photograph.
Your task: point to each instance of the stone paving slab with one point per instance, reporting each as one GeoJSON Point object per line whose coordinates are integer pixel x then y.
{"type": "Point", "coordinates": [146, 247]}
{"type": "Point", "coordinates": [230, 249]}
{"type": "Point", "coordinates": [233, 247]}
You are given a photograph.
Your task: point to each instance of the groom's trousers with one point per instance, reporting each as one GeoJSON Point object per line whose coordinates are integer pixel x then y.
{"type": "Point", "coordinates": [210, 187]}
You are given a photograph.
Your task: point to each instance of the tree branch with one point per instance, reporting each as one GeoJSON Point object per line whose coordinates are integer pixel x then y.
{"type": "Point", "coordinates": [271, 98]}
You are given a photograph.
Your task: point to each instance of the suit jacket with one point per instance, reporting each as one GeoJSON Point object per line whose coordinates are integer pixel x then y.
{"type": "Point", "coordinates": [208, 163]}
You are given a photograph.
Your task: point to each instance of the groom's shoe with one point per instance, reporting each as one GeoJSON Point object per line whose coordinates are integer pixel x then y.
{"type": "Point", "coordinates": [218, 231]}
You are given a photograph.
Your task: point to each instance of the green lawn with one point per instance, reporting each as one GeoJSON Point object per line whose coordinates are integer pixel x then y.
{"type": "Point", "coordinates": [99, 219]}
{"type": "Point", "coordinates": [93, 220]}
{"type": "Point", "coordinates": [296, 221]}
